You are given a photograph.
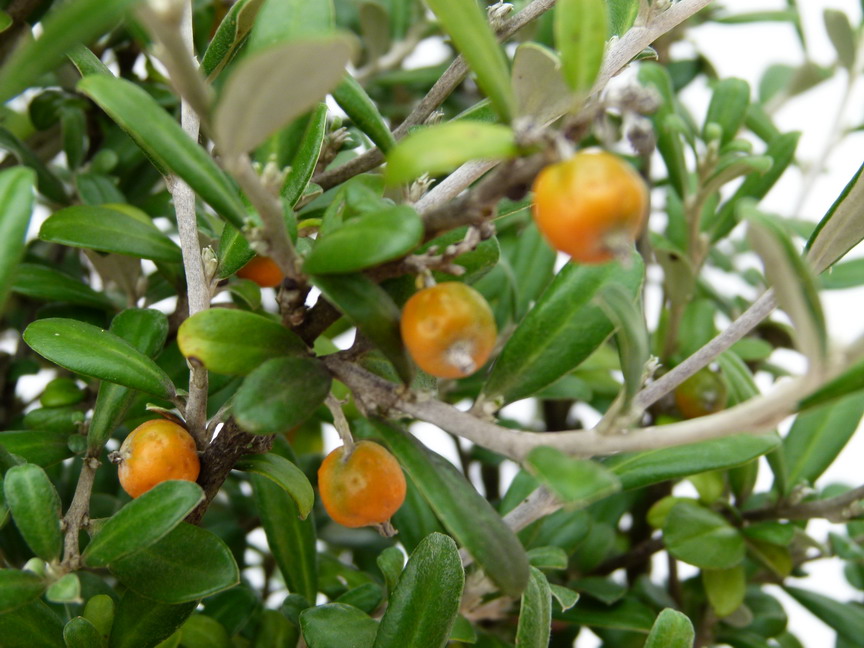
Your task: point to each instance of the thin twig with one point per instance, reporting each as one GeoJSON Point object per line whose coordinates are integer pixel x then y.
{"type": "Point", "coordinates": [340, 423]}
{"type": "Point", "coordinates": [77, 517]}
{"type": "Point", "coordinates": [835, 509]}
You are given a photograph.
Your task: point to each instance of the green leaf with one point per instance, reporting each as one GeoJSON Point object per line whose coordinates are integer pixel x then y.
{"type": "Point", "coordinates": [628, 614]}
{"type": "Point", "coordinates": [72, 23]}
{"type": "Point", "coordinates": [110, 230]}
{"type": "Point", "coordinates": [202, 631]}
{"type": "Point", "coordinates": [272, 86]}
{"type": "Point", "coordinates": [143, 521]}
{"type": "Point", "coordinates": [86, 62]}
{"type": "Point", "coordinates": [422, 608]}
{"type": "Point", "coordinates": [186, 565]}
{"type": "Point", "coordinates": [668, 139]}
{"type": "Point", "coordinates": [538, 84]}
{"type": "Point", "coordinates": [275, 630]}
{"type": "Point", "coordinates": [17, 196]}
{"type": "Point", "coordinates": [366, 241]}
{"type": "Point", "coordinates": [441, 148]}
{"type": "Point", "coordinates": [548, 558]}
{"type": "Point", "coordinates": [850, 381]}
{"type": "Point", "coordinates": [562, 329]}
{"type": "Point", "coordinates": [352, 98]}
{"type": "Point", "coordinates": [291, 540]}
{"type": "Point", "coordinates": [465, 513]}
{"type": "Point", "coordinates": [143, 622]}
{"type": "Point", "coordinates": [728, 108]}
{"type": "Point", "coordinates": [467, 27]}
{"type": "Point", "coordinates": [32, 626]}
{"type": "Point", "coordinates": [702, 538]}
{"type": "Point", "coordinates": [631, 336]}
{"type": "Point", "coordinates": [40, 447]}
{"type": "Point", "coordinates": [279, 21]}
{"type": "Point", "coordinates": [842, 36]}
{"type": "Point", "coordinates": [337, 624]}
{"type": "Point", "coordinates": [35, 507]}
{"type": "Point", "coordinates": [80, 633]}
{"type": "Point", "coordinates": [847, 619]}
{"type": "Point", "coordinates": [65, 590]}
{"type": "Point", "coordinates": [817, 437]}
{"type": "Point", "coordinates": [535, 612]}
{"type": "Point", "coordinates": [848, 274]}
{"type": "Point", "coordinates": [639, 469]}
{"type": "Point", "coordinates": [672, 629]}
{"type": "Point", "coordinates": [234, 251]}
{"type": "Point", "coordinates": [18, 588]}
{"type": "Point", "coordinates": [581, 28]}
{"type": "Point", "coordinates": [793, 283]}
{"type": "Point", "coordinates": [725, 589]}
{"type": "Point", "coordinates": [622, 15]}
{"type": "Point", "coordinates": [49, 284]}
{"type": "Point", "coordinates": [284, 473]}
{"type": "Point", "coordinates": [99, 611]}
{"type": "Point", "coordinates": [229, 36]}
{"type": "Point", "coordinates": [841, 229]}
{"type": "Point", "coordinates": [91, 351]}
{"type": "Point", "coordinates": [372, 311]}
{"type": "Point", "coordinates": [306, 156]}
{"type": "Point", "coordinates": [165, 142]}
{"type": "Point", "coordinates": [235, 342]}
{"type": "Point", "coordinates": [572, 480]}
{"type": "Point", "coordinates": [49, 185]}
{"type": "Point", "coordinates": [566, 597]}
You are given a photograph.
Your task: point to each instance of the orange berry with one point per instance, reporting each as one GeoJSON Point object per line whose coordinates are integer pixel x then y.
{"type": "Point", "coordinates": [366, 488]}
{"type": "Point", "coordinates": [590, 206]}
{"type": "Point", "coordinates": [154, 452]}
{"type": "Point", "coordinates": [263, 271]}
{"type": "Point", "coordinates": [448, 329]}
{"type": "Point", "coordinates": [701, 394]}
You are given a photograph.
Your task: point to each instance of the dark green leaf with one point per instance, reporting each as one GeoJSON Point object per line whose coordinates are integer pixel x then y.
{"type": "Point", "coordinates": [284, 473]}
{"type": "Point", "coordinates": [562, 329]}
{"type": "Point", "coordinates": [352, 98]}
{"type": "Point", "coordinates": [846, 618]}
{"type": "Point", "coordinates": [622, 15]}
{"type": "Point", "coordinates": [535, 613]}
{"type": "Point", "coordinates": [372, 311]}
{"type": "Point", "coordinates": [285, 20]}
{"type": "Point", "coordinates": [201, 631]}
{"type": "Point", "coordinates": [581, 28]}
{"type": "Point", "coordinates": [548, 558]}
{"type": "Point", "coordinates": [18, 588]}
{"type": "Point", "coordinates": [49, 185]}
{"type": "Point", "coordinates": [467, 26]}
{"type": "Point", "coordinates": [99, 611]}
{"type": "Point", "coordinates": [423, 606]}
{"type": "Point", "coordinates": [143, 623]}
{"type": "Point", "coordinates": [32, 626]}
{"type": "Point", "coordinates": [91, 351]}
{"type": "Point", "coordinates": [672, 629]}
{"type": "Point", "coordinates": [143, 521]}
{"type": "Point", "coordinates": [275, 630]}
{"type": "Point", "coordinates": [442, 148]}
{"type": "Point", "coordinates": [40, 447]}
{"type": "Point", "coordinates": [186, 565]}
{"type": "Point", "coordinates": [234, 251]}
{"type": "Point", "coordinates": [631, 336]}
{"type": "Point", "coordinates": [35, 507]}
{"type": "Point", "coordinates": [49, 284]}
{"type": "Point", "coordinates": [80, 633]}
{"type": "Point", "coordinates": [572, 480]}
{"type": "Point", "coordinates": [701, 537]}
{"type": "Point", "coordinates": [841, 228]}
{"type": "Point", "coordinates": [16, 196]}
{"type": "Point", "coordinates": [668, 139]}
{"type": "Point", "coordinates": [466, 514]}
{"type": "Point", "coordinates": [629, 614]}
{"type": "Point", "coordinates": [86, 62]}
{"type": "Point", "coordinates": [164, 142]}
{"type": "Point", "coordinates": [337, 624]}
{"type": "Point", "coordinates": [306, 156]}
{"type": "Point", "coordinates": [235, 342]}
{"type": "Point", "coordinates": [110, 230]}
{"type": "Point", "coordinates": [850, 381]}
{"type": "Point", "coordinates": [566, 597]}
{"type": "Point", "coordinates": [229, 36]}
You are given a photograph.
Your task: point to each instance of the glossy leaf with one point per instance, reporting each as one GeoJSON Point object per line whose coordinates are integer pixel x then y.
{"type": "Point", "coordinates": [538, 84]}
{"type": "Point", "coordinates": [535, 612]}
{"type": "Point", "coordinates": [272, 86]}
{"type": "Point", "coordinates": [423, 606]}
{"type": "Point", "coordinates": [366, 241]}
{"type": "Point", "coordinates": [581, 28]}
{"type": "Point", "coordinates": [186, 565]}
{"type": "Point", "coordinates": [49, 284]}
{"type": "Point", "coordinates": [440, 149]}
{"type": "Point", "coordinates": [32, 626]}
{"type": "Point", "coordinates": [47, 182]}
{"type": "Point", "coordinates": [143, 521]}
{"type": "Point", "coordinates": [337, 624]}
{"type": "Point", "coordinates": [639, 469]}
{"type": "Point", "coordinates": [306, 156]}
{"type": "Point", "coordinates": [841, 228]}
{"type": "Point", "coordinates": [229, 36]}
{"type": "Point", "coordinates": [352, 98]}
{"type": "Point", "coordinates": [109, 230]}
{"type": "Point", "coordinates": [142, 622]}
{"type": "Point", "coordinates": [164, 142]}
{"type": "Point", "coordinates": [291, 540]}
{"type": "Point", "coordinates": [17, 197]}
{"type": "Point", "coordinates": [283, 473]}
{"type": "Point", "coordinates": [467, 27]}
{"type": "Point", "coordinates": [73, 23]}
{"type": "Point", "coordinates": [672, 629]}
{"type": "Point", "coordinates": [234, 251]}
{"type": "Point", "coordinates": [235, 342]}
{"type": "Point", "coordinates": [80, 633]}
{"type": "Point", "coordinates": [572, 480]}
{"type": "Point", "coordinates": [40, 447]}
{"type": "Point", "coordinates": [562, 329]}
{"type": "Point", "coordinates": [35, 507]}
{"type": "Point", "coordinates": [702, 538]}
{"type": "Point", "coordinates": [91, 351]}
{"type": "Point", "coordinates": [466, 514]}
{"type": "Point", "coordinates": [18, 587]}
{"type": "Point", "coordinates": [846, 619]}
{"type": "Point", "coordinates": [372, 311]}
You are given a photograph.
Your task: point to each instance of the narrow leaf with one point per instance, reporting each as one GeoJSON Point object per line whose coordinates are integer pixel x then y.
{"type": "Point", "coordinates": [581, 27]}
{"type": "Point", "coordinates": [728, 108]}
{"type": "Point", "coordinates": [17, 196]}
{"type": "Point", "coordinates": [229, 36]}
{"type": "Point", "coordinates": [306, 156]}
{"type": "Point", "coordinates": [352, 98]}
{"type": "Point", "coordinates": [283, 473]}
{"type": "Point", "coordinates": [631, 335]}
{"type": "Point", "coordinates": [49, 284]}
{"type": "Point", "coordinates": [35, 507]}
{"type": "Point", "coordinates": [847, 619]}
{"type": "Point", "coordinates": [535, 612]}
{"type": "Point", "coordinates": [573, 480]}
{"type": "Point", "coordinates": [841, 229]}
{"type": "Point", "coordinates": [47, 182]}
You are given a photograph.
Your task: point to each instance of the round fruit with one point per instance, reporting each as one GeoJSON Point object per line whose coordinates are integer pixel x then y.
{"type": "Point", "coordinates": [701, 394]}
{"type": "Point", "coordinates": [591, 206]}
{"type": "Point", "coordinates": [365, 488]}
{"type": "Point", "coordinates": [154, 452]}
{"type": "Point", "coordinates": [263, 271]}
{"type": "Point", "coordinates": [448, 329]}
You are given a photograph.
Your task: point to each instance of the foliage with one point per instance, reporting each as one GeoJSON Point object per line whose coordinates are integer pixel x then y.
{"type": "Point", "coordinates": [136, 182]}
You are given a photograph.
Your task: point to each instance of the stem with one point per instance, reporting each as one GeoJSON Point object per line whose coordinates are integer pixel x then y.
{"type": "Point", "coordinates": [77, 517]}
{"type": "Point", "coordinates": [341, 425]}
{"type": "Point", "coordinates": [835, 509]}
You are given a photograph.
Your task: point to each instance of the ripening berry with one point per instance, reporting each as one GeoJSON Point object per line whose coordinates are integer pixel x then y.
{"type": "Point", "coordinates": [263, 271]}
{"type": "Point", "coordinates": [366, 488]}
{"type": "Point", "coordinates": [701, 394]}
{"type": "Point", "coordinates": [591, 206]}
{"type": "Point", "coordinates": [448, 329]}
{"type": "Point", "coordinates": [154, 452]}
